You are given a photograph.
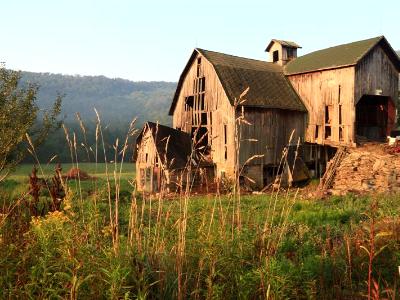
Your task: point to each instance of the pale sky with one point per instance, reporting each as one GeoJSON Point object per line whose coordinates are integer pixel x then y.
{"type": "Point", "coordinates": [152, 40]}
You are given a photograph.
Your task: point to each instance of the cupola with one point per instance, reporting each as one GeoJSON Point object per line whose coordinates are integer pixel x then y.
{"type": "Point", "coordinates": [281, 52]}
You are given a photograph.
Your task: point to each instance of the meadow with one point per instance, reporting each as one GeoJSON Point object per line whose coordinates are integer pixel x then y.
{"type": "Point", "coordinates": [109, 242]}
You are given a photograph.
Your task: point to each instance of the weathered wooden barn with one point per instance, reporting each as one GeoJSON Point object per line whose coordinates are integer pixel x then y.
{"type": "Point", "coordinates": [204, 107]}
{"type": "Point", "coordinates": [329, 98]}
{"type": "Point", "coordinates": [161, 155]}
{"type": "Point", "coordinates": [350, 91]}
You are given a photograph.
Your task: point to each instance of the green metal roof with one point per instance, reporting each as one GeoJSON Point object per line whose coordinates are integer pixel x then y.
{"type": "Point", "coordinates": [338, 56]}
{"type": "Point", "coordinates": [269, 88]}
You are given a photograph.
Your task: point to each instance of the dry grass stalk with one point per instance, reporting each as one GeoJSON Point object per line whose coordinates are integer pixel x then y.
{"type": "Point", "coordinates": [108, 180]}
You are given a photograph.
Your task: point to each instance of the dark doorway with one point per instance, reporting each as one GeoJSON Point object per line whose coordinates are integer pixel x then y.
{"type": "Point", "coordinates": [372, 117]}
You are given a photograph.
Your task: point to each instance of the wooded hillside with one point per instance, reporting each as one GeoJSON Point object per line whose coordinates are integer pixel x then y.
{"type": "Point", "coordinates": [117, 100]}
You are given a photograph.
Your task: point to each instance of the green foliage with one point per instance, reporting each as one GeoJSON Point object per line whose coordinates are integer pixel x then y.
{"type": "Point", "coordinates": [118, 102]}
{"type": "Point", "coordinates": [70, 254]}
{"type": "Point", "coordinates": [18, 117]}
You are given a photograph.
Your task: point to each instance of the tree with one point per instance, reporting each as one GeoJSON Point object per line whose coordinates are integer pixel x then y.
{"type": "Point", "coordinates": [19, 116]}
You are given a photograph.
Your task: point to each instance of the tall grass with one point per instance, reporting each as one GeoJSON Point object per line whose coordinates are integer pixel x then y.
{"type": "Point", "coordinates": [106, 244]}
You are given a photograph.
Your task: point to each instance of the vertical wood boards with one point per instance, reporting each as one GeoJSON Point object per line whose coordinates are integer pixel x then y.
{"type": "Point", "coordinates": [376, 74]}
{"type": "Point", "coordinates": [328, 92]}
{"type": "Point", "coordinates": [146, 161]}
{"type": "Point", "coordinates": [269, 133]}
{"type": "Point", "coordinates": [331, 96]}
{"type": "Point", "coordinates": [219, 110]}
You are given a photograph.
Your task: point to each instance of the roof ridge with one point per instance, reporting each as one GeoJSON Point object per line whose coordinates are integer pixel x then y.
{"type": "Point", "coordinates": [348, 54]}
{"type": "Point", "coordinates": [258, 60]}
{"type": "Point", "coordinates": [344, 44]}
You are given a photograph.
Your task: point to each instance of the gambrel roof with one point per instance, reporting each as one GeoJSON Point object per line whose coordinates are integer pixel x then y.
{"type": "Point", "coordinates": [269, 88]}
{"type": "Point", "coordinates": [340, 56]}
{"type": "Point", "coordinates": [173, 146]}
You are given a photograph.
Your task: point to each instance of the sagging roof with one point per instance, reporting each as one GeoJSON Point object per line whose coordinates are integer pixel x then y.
{"type": "Point", "coordinates": [339, 56]}
{"type": "Point", "coordinates": [173, 146]}
{"type": "Point", "coordinates": [287, 44]}
{"type": "Point", "coordinates": [269, 88]}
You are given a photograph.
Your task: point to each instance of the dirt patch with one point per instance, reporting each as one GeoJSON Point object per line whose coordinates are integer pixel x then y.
{"type": "Point", "coordinates": [76, 173]}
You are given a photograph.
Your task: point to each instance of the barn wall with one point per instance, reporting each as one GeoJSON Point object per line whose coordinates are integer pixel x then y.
{"type": "Point", "coordinates": [145, 147]}
{"type": "Point", "coordinates": [376, 75]}
{"type": "Point", "coordinates": [219, 111]}
{"type": "Point", "coordinates": [272, 129]}
{"type": "Point", "coordinates": [331, 90]}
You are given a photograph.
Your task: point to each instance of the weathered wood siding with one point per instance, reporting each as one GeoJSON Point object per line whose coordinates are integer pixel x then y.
{"type": "Point", "coordinates": [332, 90]}
{"type": "Point", "coordinates": [146, 161]}
{"type": "Point", "coordinates": [271, 128]}
{"type": "Point", "coordinates": [219, 110]}
{"type": "Point", "coordinates": [376, 75]}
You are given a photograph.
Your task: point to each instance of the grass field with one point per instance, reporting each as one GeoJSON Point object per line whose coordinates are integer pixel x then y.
{"type": "Point", "coordinates": [97, 170]}
{"type": "Point", "coordinates": [271, 246]}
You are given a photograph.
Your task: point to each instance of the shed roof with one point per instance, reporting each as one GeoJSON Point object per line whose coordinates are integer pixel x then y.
{"type": "Point", "coordinates": [173, 146]}
{"type": "Point", "coordinates": [269, 88]}
{"type": "Point", "coordinates": [287, 44]}
{"type": "Point", "coordinates": [339, 56]}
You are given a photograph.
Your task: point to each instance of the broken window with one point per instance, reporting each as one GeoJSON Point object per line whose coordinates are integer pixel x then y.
{"type": "Point", "coordinates": [328, 114]}
{"type": "Point", "coordinates": [200, 137]}
{"type": "Point", "coordinates": [341, 138]}
{"type": "Point", "coordinates": [198, 66]}
{"type": "Point", "coordinates": [316, 135]}
{"type": "Point", "coordinates": [275, 56]}
{"type": "Point", "coordinates": [189, 102]}
{"type": "Point", "coordinates": [290, 53]}
{"type": "Point", "coordinates": [328, 120]}
{"type": "Point", "coordinates": [202, 84]}
{"type": "Point", "coordinates": [203, 118]}
{"type": "Point", "coordinates": [328, 132]}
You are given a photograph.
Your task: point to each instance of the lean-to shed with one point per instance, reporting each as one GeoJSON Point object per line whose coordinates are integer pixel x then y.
{"type": "Point", "coordinates": [161, 155]}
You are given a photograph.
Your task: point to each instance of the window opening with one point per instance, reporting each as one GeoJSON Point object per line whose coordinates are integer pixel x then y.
{"type": "Point", "coordinates": [225, 141]}
{"type": "Point", "coordinates": [198, 66]}
{"type": "Point", "coordinates": [275, 56]}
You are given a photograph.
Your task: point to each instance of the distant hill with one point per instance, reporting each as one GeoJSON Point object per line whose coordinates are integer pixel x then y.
{"type": "Point", "coordinates": [117, 100]}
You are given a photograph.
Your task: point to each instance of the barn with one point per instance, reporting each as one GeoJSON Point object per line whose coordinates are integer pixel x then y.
{"type": "Point", "coordinates": [204, 106]}
{"type": "Point", "coordinates": [350, 91]}
{"type": "Point", "coordinates": [161, 156]}
{"type": "Point", "coordinates": [341, 96]}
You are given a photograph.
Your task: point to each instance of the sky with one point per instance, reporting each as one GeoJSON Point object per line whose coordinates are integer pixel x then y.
{"type": "Point", "coordinates": [152, 40]}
